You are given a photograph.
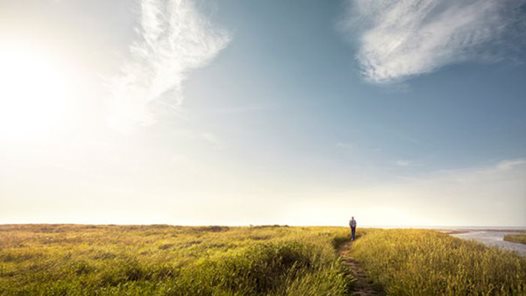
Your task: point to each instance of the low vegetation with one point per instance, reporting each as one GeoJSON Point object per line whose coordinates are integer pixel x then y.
{"type": "Point", "coordinates": [268, 260]}
{"type": "Point", "coordinates": [424, 262]}
{"type": "Point", "coordinates": [168, 260]}
{"type": "Point", "coordinates": [516, 238]}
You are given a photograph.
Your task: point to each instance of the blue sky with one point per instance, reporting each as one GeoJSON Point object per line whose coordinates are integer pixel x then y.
{"type": "Point", "coordinates": [264, 112]}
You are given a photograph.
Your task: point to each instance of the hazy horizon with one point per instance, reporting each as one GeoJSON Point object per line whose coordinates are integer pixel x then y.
{"type": "Point", "coordinates": [436, 227]}
{"type": "Point", "coordinates": [187, 112]}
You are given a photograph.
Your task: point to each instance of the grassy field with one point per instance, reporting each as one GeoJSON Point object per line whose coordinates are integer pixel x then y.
{"type": "Point", "coordinates": [170, 260]}
{"type": "Point", "coordinates": [424, 262]}
{"type": "Point", "coordinates": [516, 238]}
{"type": "Point", "coordinates": [166, 260]}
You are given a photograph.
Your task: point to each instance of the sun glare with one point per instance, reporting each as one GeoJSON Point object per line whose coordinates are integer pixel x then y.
{"type": "Point", "coordinates": [34, 95]}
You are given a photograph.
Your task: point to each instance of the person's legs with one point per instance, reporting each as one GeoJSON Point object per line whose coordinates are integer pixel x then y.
{"type": "Point", "coordinates": [353, 232]}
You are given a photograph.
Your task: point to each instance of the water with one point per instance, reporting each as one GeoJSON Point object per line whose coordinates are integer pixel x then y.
{"type": "Point", "coordinates": [493, 239]}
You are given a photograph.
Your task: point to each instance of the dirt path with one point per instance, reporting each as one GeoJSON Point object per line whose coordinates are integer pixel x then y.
{"type": "Point", "coordinates": [362, 286]}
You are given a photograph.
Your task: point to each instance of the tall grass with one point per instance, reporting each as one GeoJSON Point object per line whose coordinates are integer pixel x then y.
{"type": "Point", "coordinates": [166, 260]}
{"type": "Point", "coordinates": [516, 238]}
{"type": "Point", "coordinates": [422, 262]}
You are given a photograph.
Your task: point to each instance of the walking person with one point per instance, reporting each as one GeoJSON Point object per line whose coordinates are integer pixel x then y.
{"type": "Point", "coordinates": [352, 223]}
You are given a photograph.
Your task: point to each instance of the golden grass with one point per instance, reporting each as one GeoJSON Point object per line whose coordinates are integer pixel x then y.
{"type": "Point", "coordinates": [168, 260]}
{"type": "Point", "coordinates": [171, 260]}
{"type": "Point", "coordinates": [424, 262]}
{"type": "Point", "coordinates": [516, 238]}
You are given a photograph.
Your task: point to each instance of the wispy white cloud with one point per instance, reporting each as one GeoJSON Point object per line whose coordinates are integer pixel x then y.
{"type": "Point", "coordinates": [174, 38]}
{"type": "Point", "coordinates": [401, 39]}
{"type": "Point", "coordinates": [403, 163]}
{"type": "Point", "coordinates": [511, 164]}
{"type": "Point", "coordinates": [344, 145]}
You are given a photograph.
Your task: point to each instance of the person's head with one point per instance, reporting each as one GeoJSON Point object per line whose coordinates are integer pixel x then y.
{"type": "Point", "coordinates": [352, 218]}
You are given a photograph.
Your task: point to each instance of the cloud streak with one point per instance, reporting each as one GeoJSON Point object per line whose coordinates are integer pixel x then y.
{"type": "Point", "coordinates": [401, 39]}
{"type": "Point", "coordinates": [174, 38]}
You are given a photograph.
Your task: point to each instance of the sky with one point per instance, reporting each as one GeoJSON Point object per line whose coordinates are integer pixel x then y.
{"type": "Point", "coordinates": [235, 112]}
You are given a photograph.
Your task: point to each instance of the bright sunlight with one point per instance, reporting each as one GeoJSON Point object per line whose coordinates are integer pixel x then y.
{"type": "Point", "coordinates": [34, 95]}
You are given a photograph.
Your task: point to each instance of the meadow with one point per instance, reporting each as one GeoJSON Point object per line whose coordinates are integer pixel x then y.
{"type": "Point", "coordinates": [170, 260]}
{"type": "Point", "coordinates": [425, 262]}
{"type": "Point", "coordinates": [261, 260]}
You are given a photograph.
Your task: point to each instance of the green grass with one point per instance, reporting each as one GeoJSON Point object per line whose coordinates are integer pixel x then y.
{"type": "Point", "coordinates": [423, 262]}
{"type": "Point", "coordinates": [516, 238]}
{"type": "Point", "coordinates": [170, 260]}
{"type": "Point", "coordinates": [166, 260]}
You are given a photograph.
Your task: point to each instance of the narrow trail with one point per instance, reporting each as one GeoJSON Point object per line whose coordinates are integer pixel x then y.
{"type": "Point", "coordinates": [363, 285]}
